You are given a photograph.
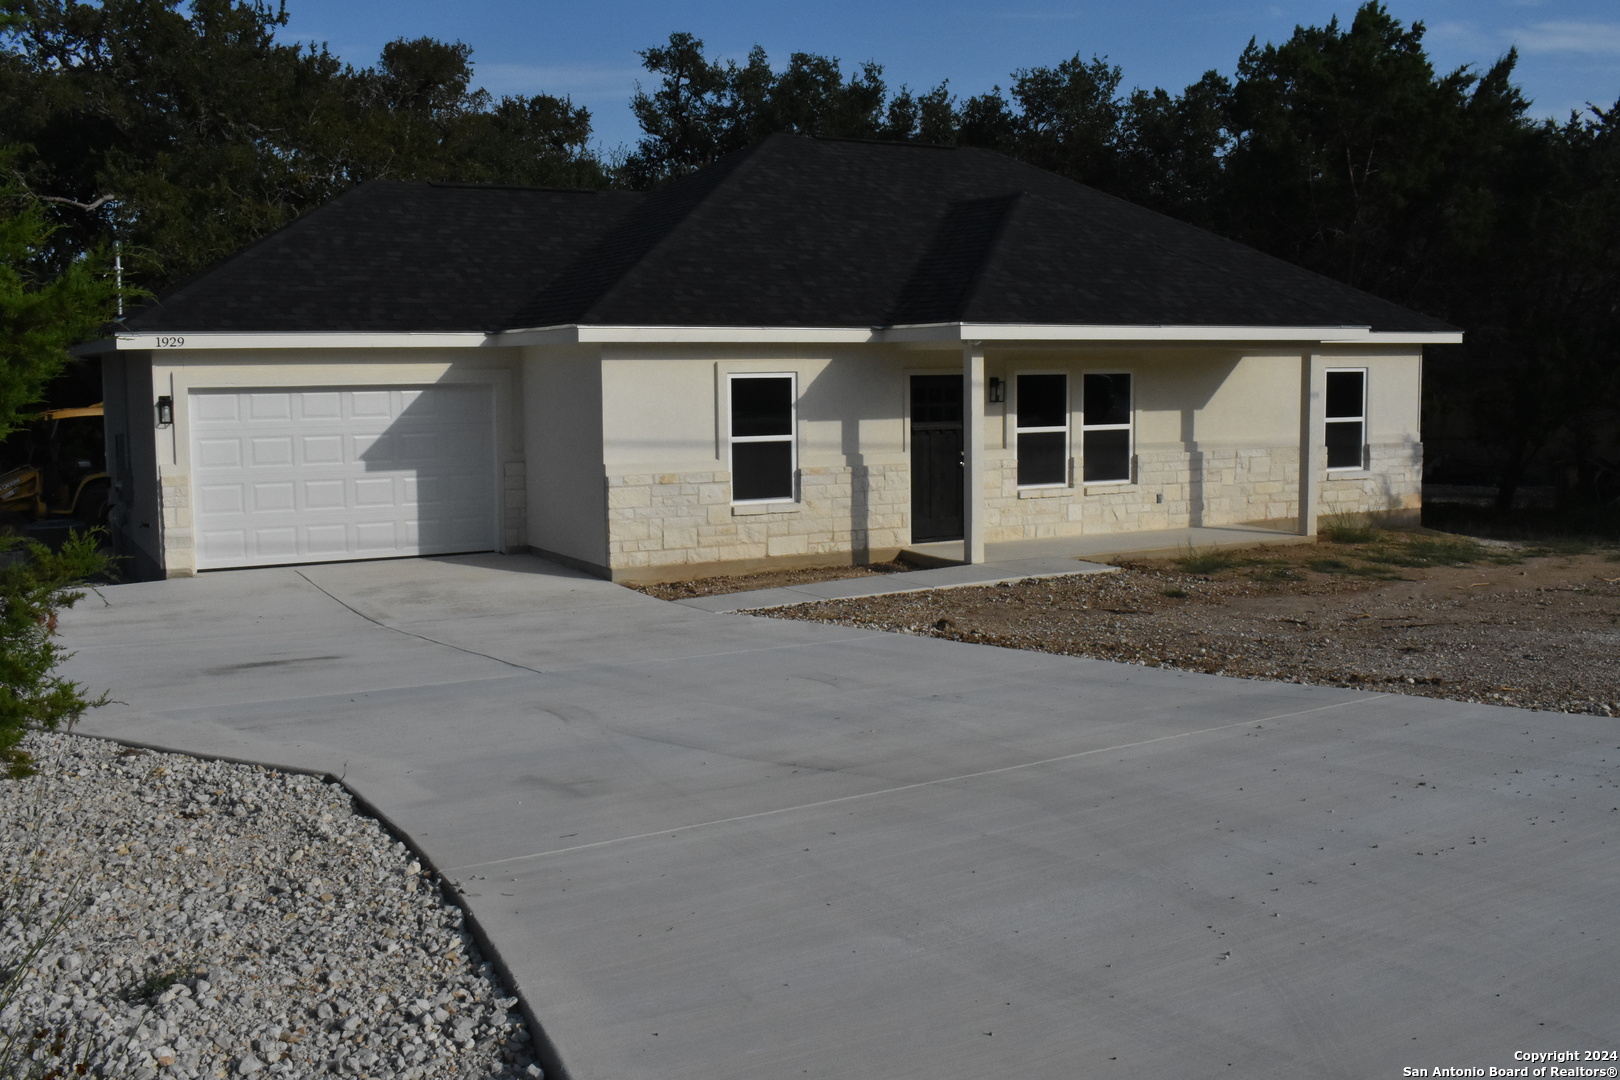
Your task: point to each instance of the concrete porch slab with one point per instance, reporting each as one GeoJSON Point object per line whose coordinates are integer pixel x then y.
{"type": "Point", "coordinates": [1156, 543]}
{"type": "Point", "coordinates": [939, 577]}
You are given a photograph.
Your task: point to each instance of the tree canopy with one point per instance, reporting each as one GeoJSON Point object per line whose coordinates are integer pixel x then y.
{"type": "Point", "coordinates": [187, 130]}
{"type": "Point", "coordinates": [43, 310]}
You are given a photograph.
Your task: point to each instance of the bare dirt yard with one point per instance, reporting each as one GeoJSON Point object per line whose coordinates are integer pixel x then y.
{"type": "Point", "coordinates": [1534, 626]}
{"type": "Point", "coordinates": [768, 579]}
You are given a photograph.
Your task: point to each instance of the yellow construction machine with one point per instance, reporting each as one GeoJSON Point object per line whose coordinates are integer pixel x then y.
{"type": "Point", "coordinates": [64, 478]}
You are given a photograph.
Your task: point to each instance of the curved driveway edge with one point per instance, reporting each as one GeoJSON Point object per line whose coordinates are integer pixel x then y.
{"type": "Point", "coordinates": [712, 846]}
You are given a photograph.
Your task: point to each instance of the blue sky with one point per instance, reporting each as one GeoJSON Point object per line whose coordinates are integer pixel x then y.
{"type": "Point", "coordinates": [1569, 49]}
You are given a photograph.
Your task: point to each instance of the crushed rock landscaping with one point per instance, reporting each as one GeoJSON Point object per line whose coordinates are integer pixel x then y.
{"type": "Point", "coordinates": [174, 917]}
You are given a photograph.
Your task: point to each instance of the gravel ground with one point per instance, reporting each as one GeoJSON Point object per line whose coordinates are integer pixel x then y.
{"type": "Point", "coordinates": [1442, 617]}
{"type": "Point", "coordinates": [222, 920]}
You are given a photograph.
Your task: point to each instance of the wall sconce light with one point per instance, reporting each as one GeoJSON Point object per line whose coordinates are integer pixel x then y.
{"type": "Point", "coordinates": [998, 390]}
{"type": "Point", "coordinates": [165, 410]}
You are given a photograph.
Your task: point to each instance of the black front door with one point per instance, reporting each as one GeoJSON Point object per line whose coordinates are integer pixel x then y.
{"type": "Point", "coordinates": [936, 458]}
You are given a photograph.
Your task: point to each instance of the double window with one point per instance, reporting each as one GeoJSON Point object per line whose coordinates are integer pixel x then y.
{"type": "Point", "coordinates": [1346, 427]}
{"type": "Point", "coordinates": [1105, 430]}
{"type": "Point", "coordinates": [1042, 427]}
{"type": "Point", "coordinates": [763, 447]}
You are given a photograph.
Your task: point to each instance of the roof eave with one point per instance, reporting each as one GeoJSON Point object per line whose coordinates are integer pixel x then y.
{"type": "Point", "coordinates": [1010, 333]}
{"type": "Point", "coordinates": [187, 342]}
{"type": "Point", "coordinates": [917, 334]}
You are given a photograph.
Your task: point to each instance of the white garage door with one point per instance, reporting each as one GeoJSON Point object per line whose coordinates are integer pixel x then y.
{"type": "Point", "coordinates": [285, 476]}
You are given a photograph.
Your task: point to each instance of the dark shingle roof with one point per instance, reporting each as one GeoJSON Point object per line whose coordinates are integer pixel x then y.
{"type": "Point", "coordinates": [392, 256]}
{"type": "Point", "coordinates": [791, 232]}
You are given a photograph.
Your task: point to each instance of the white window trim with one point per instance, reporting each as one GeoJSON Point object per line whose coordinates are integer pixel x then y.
{"type": "Point", "coordinates": [1129, 426]}
{"type": "Point", "coordinates": [1361, 460]}
{"type": "Point", "coordinates": [791, 438]}
{"type": "Point", "coordinates": [1066, 429]}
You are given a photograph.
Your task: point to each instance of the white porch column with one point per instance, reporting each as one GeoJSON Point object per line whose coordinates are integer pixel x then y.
{"type": "Point", "coordinates": [1312, 439]}
{"type": "Point", "coordinates": [973, 509]}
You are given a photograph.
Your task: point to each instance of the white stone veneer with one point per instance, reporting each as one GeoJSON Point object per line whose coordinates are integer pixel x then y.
{"type": "Point", "coordinates": [676, 520]}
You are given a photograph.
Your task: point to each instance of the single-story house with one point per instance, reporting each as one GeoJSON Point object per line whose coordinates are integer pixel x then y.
{"type": "Point", "coordinates": [812, 351]}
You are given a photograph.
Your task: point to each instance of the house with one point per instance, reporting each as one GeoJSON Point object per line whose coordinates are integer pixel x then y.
{"type": "Point", "coordinates": [812, 351]}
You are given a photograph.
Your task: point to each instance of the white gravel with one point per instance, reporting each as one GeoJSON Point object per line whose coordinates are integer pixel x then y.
{"type": "Point", "coordinates": [227, 920]}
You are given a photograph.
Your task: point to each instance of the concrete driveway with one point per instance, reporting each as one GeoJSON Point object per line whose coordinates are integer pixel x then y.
{"type": "Point", "coordinates": [716, 846]}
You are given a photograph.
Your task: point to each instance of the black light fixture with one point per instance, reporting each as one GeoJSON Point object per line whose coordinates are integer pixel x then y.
{"type": "Point", "coordinates": [998, 390]}
{"type": "Point", "coordinates": [165, 409]}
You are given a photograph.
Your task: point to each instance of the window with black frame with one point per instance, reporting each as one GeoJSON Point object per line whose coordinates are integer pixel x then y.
{"type": "Point", "coordinates": [1042, 427]}
{"type": "Point", "coordinates": [1346, 410]}
{"type": "Point", "coordinates": [1105, 439]}
{"type": "Point", "coordinates": [762, 441]}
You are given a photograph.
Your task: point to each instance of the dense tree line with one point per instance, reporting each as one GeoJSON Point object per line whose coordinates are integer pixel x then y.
{"type": "Point", "coordinates": [186, 133]}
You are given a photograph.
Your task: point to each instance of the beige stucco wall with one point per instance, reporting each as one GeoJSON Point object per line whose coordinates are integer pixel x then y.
{"type": "Point", "coordinates": [1216, 441]}
{"type": "Point", "coordinates": [178, 373]}
{"type": "Point", "coordinates": [562, 437]}
{"type": "Point", "coordinates": [667, 459]}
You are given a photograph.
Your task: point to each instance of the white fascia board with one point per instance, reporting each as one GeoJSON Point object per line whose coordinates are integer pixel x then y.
{"type": "Point", "coordinates": [1412, 337]}
{"type": "Point", "coordinates": [950, 333]}
{"type": "Point", "coordinates": [178, 342]}
{"type": "Point", "coordinates": [682, 335]}
{"type": "Point", "coordinates": [937, 333]}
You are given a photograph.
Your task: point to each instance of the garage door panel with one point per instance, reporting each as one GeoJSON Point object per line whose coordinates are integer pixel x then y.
{"type": "Point", "coordinates": [318, 406]}
{"type": "Point", "coordinates": [321, 449]}
{"type": "Point", "coordinates": [219, 453]}
{"type": "Point", "coordinates": [269, 406]}
{"type": "Point", "coordinates": [374, 536]}
{"type": "Point", "coordinates": [276, 543]}
{"type": "Point", "coordinates": [327, 539]}
{"type": "Point", "coordinates": [418, 448]}
{"type": "Point", "coordinates": [221, 499]}
{"type": "Point", "coordinates": [323, 495]}
{"type": "Point", "coordinates": [269, 498]}
{"type": "Point", "coordinates": [373, 491]}
{"type": "Point", "coordinates": [214, 408]}
{"type": "Point", "coordinates": [272, 450]}
{"type": "Point", "coordinates": [372, 403]}
{"type": "Point", "coordinates": [308, 475]}
{"type": "Point", "coordinates": [225, 543]}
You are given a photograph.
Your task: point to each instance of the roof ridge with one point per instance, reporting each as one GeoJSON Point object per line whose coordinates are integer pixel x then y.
{"type": "Point", "coordinates": [953, 262]}
{"type": "Point", "coordinates": [1202, 235]}
{"type": "Point", "coordinates": [582, 287]}
{"type": "Point", "coordinates": [898, 143]}
{"type": "Point", "coordinates": [553, 188]}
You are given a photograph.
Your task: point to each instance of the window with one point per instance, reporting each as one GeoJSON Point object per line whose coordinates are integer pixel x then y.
{"type": "Point", "coordinates": [1346, 418]}
{"type": "Point", "coordinates": [762, 443]}
{"type": "Point", "coordinates": [1105, 439]}
{"type": "Point", "coordinates": [1043, 430]}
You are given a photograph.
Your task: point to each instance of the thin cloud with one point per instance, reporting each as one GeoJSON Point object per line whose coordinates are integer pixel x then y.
{"type": "Point", "coordinates": [1040, 16]}
{"type": "Point", "coordinates": [1583, 37]}
{"type": "Point", "coordinates": [580, 82]}
{"type": "Point", "coordinates": [1465, 36]}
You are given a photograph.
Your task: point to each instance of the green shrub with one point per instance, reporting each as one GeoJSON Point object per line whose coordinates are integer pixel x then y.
{"type": "Point", "coordinates": [1347, 529]}
{"type": "Point", "coordinates": [1208, 562]}
{"type": "Point", "coordinates": [33, 592]}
